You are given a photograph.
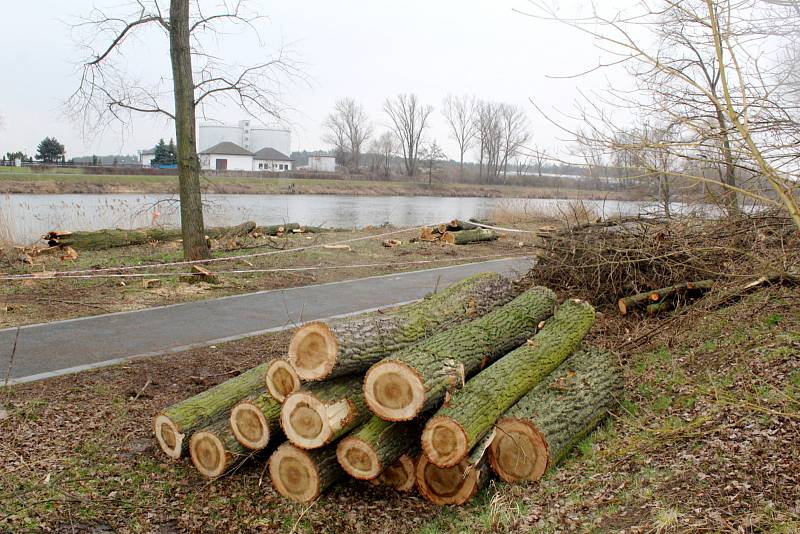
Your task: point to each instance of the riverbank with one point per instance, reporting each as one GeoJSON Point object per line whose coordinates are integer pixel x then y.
{"type": "Point", "coordinates": [21, 182]}
{"type": "Point", "coordinates": [39, 300]}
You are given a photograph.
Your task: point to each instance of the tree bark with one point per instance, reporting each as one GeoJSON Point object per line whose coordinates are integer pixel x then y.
{"type": "Point", "coordinates": [465, 237]}
{"type": "Point", "coordinates": [347, 346]}
{"type": "Point", "coordinates": [375, 446]}
{"type": "Point", "coordinates": [214, 450]}
{"type": "Point", "coordinates": [412, 380]}
{"type": "Point", "coordinates": [657, 295]}
{"type": "Point", "coordinates": [472, 411]}
{"type": "Point", "coordinates": [175, 425]}
{"type": "Point", "coordinates": [194, 243]}
{"type": "Point", "coordinates": [321, 413]}
{"type": "Point", "coordinates": [255, 421]}
{"type": "Point", "coordinates": [112, 238]}
{"type": "Point", "coordinates": [303, 475]}
{"type": "Point", "coordinates": [555, 415]}
{"type": "Point", "coordinates": [278, 229]}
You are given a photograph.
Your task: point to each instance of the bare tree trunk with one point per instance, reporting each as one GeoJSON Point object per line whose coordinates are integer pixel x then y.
{"type": "Point", "coordinates": [194, 242]}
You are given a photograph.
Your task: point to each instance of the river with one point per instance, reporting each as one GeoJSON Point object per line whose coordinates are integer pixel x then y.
{"type": "Point", "coordinates": [23, 218]}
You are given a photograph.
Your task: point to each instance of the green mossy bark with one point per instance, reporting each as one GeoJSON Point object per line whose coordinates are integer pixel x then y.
{"type": "Point", "coordinates": [203, 409]}
{"type": "Point", "coordinates": [112, 238]}
{"type": "Point", "coordinates": [445, 360]}
{"type": "Point", "coordinates": [490, 393]}
{"type": "Point", "coordinates": [572, 400]}
{"type": "Point", "coordinates": [465, 237]}
{"type": "Point", "coordinates": [366, 339]}
{"type": "Point", "coordinates": [388, 440]}
{"type": "Point", "coordinates": [647, 299]}
{"type": "Point", "coordinates": [276, 229]}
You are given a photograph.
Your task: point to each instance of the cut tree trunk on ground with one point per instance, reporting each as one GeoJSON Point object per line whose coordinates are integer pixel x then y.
{"type": "Point", "coordinates": [322, 412]}
{"type": "Point", "coordinates": [457, 226]}
{"type": "Point", "coordinates": [427, 234]}
{"type": "Point", "coordinates": [256, 420]}
{"type": "Point", "coordinates": [348, 346]}
{"type": "Point", "coordinates": [303, 475]}
{"type": "Point", "coordinates": [281, 379]}
{"type": "Point", "coordinates": [174, 426]}
{"type": "Point", "coordinates": [555, 415]}
{"type": "Point", "coordinates": [473, 410]}
{"type": "Point", "coordinates": [657, 295]}
{"type": "Point", "coordinates": [466, 237]}
{"type": "Point", "coordinates": [401, 475]}
{"type": "Point", "coordinates": [376, 445]}
{"type": "Point", "coordinates": [214, 450]}
{"type": "Point", "coordinates": [278, 229]}
{"type": "Point", "coordinates": [112, 238]}
{"type": "Point", "coordinates": [415, 379]}
{"type": "Point", "coordinates": [457, 484]}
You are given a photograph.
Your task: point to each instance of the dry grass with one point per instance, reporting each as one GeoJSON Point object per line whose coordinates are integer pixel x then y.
{"type": "Point", "coordinates": [520, 212]}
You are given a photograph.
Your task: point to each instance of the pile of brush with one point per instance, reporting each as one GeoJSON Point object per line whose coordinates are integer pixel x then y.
{"type": "Point", "coordinates": [433, 395]}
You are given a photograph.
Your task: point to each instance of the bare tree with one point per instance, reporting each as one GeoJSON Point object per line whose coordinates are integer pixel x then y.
{"type": "Point", "coordinates": [348, 129]}
{"type": "Point", "coordinates": [387, 148]}
{"type": "Point", "coordinates": [490, 140]}
{"type": "Point", "coordinates": [336, 136]}
{"type": "Point", "coordinates": [515, 133]}
{"type": "Point", "coordinates": [199, 77]}
{"type": "Point", "coordinates": [539, 156]}
{"type": "Point", "coordinates": [409, 120]}
{"type": "Point", "coordinates": [699, 76]}
{"type": "Point", "coordinates": [431, 154]}
{"type": "Point", "coordinates": [459, 111]}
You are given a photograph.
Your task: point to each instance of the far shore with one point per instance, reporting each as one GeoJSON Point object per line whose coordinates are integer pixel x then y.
{"type": "Point", "coordinates": [56, 184]}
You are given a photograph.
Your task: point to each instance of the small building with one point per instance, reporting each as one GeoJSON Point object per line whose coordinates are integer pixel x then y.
{"type": "Point", "coordinates": [269, 159]}
{"type": "Point", "coordinates": [146, 157]}
{"type": "Point", "coordinates": [322, 163]}
{"type": "Point", "coordinates": [226, 156]}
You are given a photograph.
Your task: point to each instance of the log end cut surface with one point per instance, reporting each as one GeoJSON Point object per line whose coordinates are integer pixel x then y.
{"type": "Point", "coordinates": [444, 441]}
{"type": "Point", "coordinates": [306, 420]}
{"type": "Point", "coordinates": [208, 454]}
{"type": "Point", "coordinates": [358, 458]}
{"type": "Point", "coordinates": [400, 476]}
{"type": "Point", "coordinates": [169, 436]}
{"type": "Point", "coordinates": [312, 351]}
{"type": "Point", "coordinates": [250, 426]}
{"type": "Point", "coordinates": [394, 391]}
{"type": "Point", "coordinates": [281, 379]}
{"type": "Point", "coordinates": [294, 474]}
{"type": "Point", "coordinates": [518, 451]}
{"type": "Point", "coordinates": [446, 485]}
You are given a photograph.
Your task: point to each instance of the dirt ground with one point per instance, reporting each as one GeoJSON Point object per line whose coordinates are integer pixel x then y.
{"type": "Point", "coordinates": [41, 300]}
{"type": "Point", "coordinates": [706, 439]}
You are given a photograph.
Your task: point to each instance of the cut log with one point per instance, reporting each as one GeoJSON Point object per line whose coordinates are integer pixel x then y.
{"type": "Point", "coordinates": [426, 234]}
{"type": "Point", "coordinates": [278, 229]}
{"type": "Point", "coordinates": [256, 420]}
{"type": "Point", "coordinates": [324, 411]}
{"type": "Point", "coordinates": [657, 295]}
{"type": "Point", "coordinates": [414, 379]}
{"type": "Point", "coordinates": [174, 426]}
{"type": "Point", "coordinates": [348, 346]}
{"type": "Point", "coordinates": [303, 475]}
{"type": "Point", "coordinates": [375, 446]}
{"type": "Point", "coordinates": [401, 475]}
{"type": "Point", "coordinates": [457, 484]}
{"type": "Point", "coordinates": [111, 238]}
{"type": "Point", "coordinates": [214, 450]}
{"type": "Point", "coordinates": [281, 379]}
{"type": "Point", "coordinates": [555, 415]}
{"type": "Point", "coordinates": [456, 226]}
{"type": "Point", "coordinates": [473, 410]}
{"type": "Point", "coordinates": [469, 236]}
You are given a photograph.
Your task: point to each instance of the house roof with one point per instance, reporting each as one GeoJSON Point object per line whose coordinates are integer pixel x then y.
{"type": "Point", "coordinates": [271, 154]}
{"type": "Point", "coordinates": [226, 148]}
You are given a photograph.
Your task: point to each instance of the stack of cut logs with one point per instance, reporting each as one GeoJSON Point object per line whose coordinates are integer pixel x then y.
{"type": "Point", "coordinates": [457, 232]}
{"type": "Point", "coordinates": [435, 395]}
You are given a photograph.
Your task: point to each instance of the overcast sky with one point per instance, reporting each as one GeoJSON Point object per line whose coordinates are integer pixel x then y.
{"type": "Point", "coordinates": [365, 49]}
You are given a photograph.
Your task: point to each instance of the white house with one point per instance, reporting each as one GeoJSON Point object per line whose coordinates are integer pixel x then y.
{"type": "Point", "coordinates": [245, 135]}
{"type": "Point", "coordinates": [146, 157]}
{"type": "Point", "coordinates": [322, 163]}
{"type": "Point", "coordinates": [226, 156]}
{"type": "Point", "coordinates": [269, 159]}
